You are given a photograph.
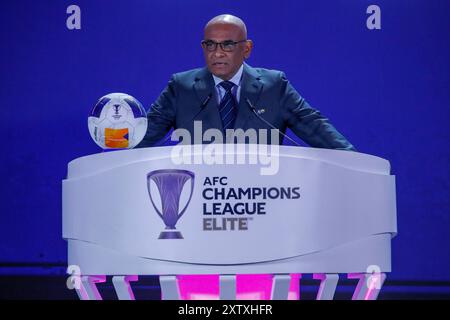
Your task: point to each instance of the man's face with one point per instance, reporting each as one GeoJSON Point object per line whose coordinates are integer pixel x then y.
{"type": "Point", "coordinates": [221, 63]}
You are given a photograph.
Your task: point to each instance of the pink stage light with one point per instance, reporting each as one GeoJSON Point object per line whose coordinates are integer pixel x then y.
{"type": "Point", "coordinates": [248, 287]}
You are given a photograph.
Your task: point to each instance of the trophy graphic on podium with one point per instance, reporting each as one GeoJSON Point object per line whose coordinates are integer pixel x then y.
{"type": "Point", "coordinates": [170, 184]}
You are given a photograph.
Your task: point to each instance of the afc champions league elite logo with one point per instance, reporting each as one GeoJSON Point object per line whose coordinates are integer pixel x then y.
{"type": "Point", "coordinates": [116, 115]}
{"type": "Point", "coordinates": [170, 184]}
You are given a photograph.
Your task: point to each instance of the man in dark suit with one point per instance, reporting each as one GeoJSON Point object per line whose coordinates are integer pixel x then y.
{"type": "Point", "coordinates": [229, 94]}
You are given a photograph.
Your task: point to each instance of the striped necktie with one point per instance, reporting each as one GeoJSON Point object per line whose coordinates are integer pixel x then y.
{"type": "Point", "coordinates": [228, 106]}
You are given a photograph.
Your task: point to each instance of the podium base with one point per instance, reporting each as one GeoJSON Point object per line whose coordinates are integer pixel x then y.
{"type": "Point", "coordinates": [170, 235]}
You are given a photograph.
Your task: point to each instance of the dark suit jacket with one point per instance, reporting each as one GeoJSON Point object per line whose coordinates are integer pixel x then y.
{"type": "Point", "coordinates": [267, 90]}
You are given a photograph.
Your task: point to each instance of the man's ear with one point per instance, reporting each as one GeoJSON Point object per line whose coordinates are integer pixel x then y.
{"type": "Point", "coordinates": [248, 48]}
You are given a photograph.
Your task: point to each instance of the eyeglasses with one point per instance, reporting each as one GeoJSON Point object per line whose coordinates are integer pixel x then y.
{"type": "Point", "coordinates": [227, 46]}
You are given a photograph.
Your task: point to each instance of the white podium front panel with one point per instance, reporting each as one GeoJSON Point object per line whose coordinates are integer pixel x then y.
{"type": "Point", "coordinates": [324, 211]}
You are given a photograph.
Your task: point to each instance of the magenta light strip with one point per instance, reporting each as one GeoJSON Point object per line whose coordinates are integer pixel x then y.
{"type": "Point", "coordinates": [248, 287]}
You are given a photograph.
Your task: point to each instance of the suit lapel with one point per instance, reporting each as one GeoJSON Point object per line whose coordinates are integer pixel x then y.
{"type": "Point", "coordinates": [251, 88]}
{"type": "Point", "coordinates": [204, 86]}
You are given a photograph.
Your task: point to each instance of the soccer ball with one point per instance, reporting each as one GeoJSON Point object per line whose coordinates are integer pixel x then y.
{"type": "Point", "coordinates": [117, 121]}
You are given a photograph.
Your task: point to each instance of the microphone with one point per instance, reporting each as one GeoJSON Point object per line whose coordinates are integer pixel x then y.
{"type": "Point", "coordinates": [252, 107]}
{"type": "Point", "coordinates": [204, 103]}
{"type": "Point", "coordinates": [202, 107]}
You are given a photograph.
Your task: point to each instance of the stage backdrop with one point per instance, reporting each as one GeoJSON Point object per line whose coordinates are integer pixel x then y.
{"type": "Point", "coordinates": [386, 90]}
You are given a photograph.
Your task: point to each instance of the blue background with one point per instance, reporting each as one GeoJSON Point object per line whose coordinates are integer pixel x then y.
{"type": "Point", "coordinates": [386, 90]}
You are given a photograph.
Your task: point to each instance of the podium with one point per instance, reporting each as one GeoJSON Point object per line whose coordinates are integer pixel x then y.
{"type": "Point", "coordinates": [229, 210]}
